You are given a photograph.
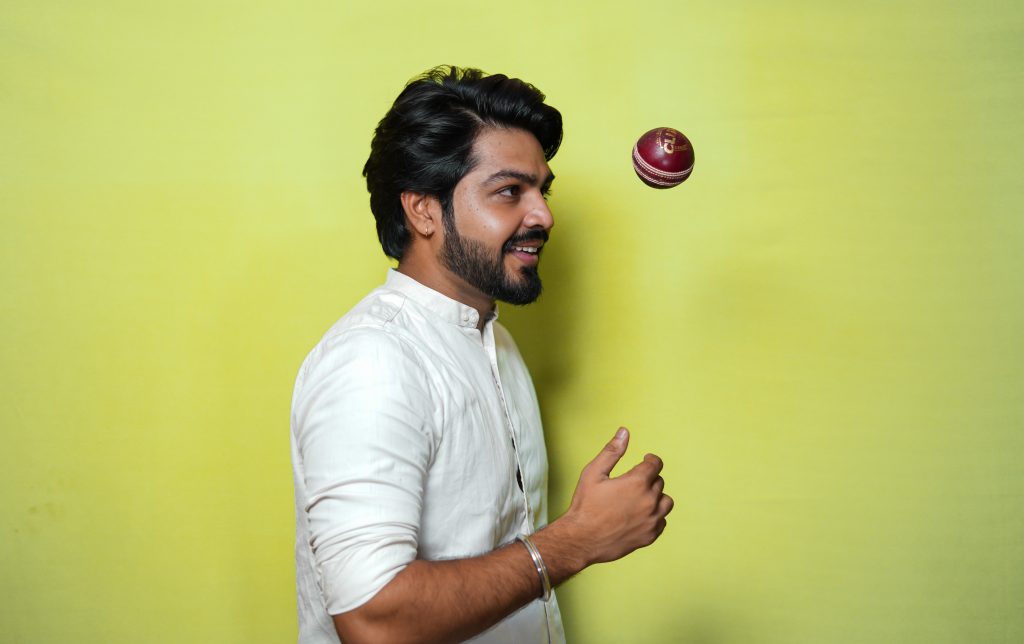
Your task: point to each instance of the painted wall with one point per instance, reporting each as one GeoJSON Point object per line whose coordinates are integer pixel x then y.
{"type": "Point", "coordinates": [820, 332]}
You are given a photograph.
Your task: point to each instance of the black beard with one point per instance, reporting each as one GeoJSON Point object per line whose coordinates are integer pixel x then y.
{"type": "Point", "coordinates": [470, 260]}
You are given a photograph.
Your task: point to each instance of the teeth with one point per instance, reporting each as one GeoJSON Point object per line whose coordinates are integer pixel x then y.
{"type": "Point", "coordinates": [526, 249]}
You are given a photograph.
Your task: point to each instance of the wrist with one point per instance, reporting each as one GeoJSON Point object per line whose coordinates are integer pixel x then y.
{"type": "Point", "coordinates": [561, 548]}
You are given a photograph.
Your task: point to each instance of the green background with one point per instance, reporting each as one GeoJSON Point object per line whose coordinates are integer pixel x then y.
{"type": "Point", "coordinates": [820, 331]}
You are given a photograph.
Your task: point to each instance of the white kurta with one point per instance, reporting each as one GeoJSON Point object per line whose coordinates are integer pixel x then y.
{"type": "Point", "coordinates": [408, 425]}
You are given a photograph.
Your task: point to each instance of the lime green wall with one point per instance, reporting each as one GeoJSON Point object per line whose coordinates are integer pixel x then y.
{"type": "Point", "coordinates": [820, 332]}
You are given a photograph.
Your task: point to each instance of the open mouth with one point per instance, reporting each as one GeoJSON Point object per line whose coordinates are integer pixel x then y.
{"type": "Point", "coordinates": [528, 255]}
{"type": "Point", "coordinates": [526, 246]}
{"type": "Point", "coordinates": [531, 250]}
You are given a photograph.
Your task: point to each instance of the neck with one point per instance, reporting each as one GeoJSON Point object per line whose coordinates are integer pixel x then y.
{"type": "Point", "coordinates": [447, 283]}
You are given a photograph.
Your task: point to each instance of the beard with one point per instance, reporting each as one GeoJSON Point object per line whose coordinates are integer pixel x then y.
{"type": "Point", "coordinates": [473, 262]}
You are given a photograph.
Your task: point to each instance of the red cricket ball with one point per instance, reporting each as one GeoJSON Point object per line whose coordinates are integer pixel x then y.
{"type": "Point", "coordinates": [663, 158]}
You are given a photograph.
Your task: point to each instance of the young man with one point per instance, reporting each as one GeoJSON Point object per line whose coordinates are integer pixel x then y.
{"type": "Point", "coordinates": [419, 459]}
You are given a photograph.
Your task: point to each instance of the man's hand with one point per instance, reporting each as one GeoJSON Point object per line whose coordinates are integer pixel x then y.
{"type": "Point", "coordinates": [608, 517]}
{"type": "Point", "coordinates": [455, 599]}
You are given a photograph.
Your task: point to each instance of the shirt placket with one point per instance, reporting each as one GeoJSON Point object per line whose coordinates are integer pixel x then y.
{"type": "Point", "coordinates": [492, 357]}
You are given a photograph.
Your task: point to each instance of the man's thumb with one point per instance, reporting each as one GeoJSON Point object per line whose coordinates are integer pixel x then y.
{"type": "Point", "coordinates": [606, 459]}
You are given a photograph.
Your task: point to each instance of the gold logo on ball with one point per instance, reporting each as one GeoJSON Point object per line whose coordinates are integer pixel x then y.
{"type": "Point", "coordinates": [668, 142]}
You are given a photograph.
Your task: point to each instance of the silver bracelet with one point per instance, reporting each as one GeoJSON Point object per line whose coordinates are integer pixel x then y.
{"type": "Point", "coordinates": [542, 570]}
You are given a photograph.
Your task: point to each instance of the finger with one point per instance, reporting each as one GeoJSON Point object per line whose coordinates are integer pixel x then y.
{"type": "Point", "coordinates": [658, 486]}
{"type": "Point", "coordinates": [665, 505]}
{"type": "Point", "coordinates": [606, 459]}
{"type": "Point", "coordinates": [649, 468]}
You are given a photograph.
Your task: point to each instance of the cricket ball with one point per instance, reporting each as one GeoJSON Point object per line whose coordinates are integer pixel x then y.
{"type": "Point", "coordinates": [663, 158]}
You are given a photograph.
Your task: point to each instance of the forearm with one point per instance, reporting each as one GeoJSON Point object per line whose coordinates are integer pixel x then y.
{"type": "Point", "coordinates": [442, 601]}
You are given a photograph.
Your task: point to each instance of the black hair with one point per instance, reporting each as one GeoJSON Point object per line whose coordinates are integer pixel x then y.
{"type": "Point", "coordinates": [424, 143]}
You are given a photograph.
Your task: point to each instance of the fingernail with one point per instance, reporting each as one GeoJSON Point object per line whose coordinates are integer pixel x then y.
{"type": "Point", "coordinates": [620, 435]}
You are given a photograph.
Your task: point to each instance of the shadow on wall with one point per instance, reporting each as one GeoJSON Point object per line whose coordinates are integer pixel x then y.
{"type": "Point", "coordinates": [545, 332]}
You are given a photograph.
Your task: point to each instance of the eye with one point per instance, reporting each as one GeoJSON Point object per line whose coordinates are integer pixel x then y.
{"type": "Point", "coordinates": [546, 192]}
{"type": "Point", "coordinates": [509, 191]}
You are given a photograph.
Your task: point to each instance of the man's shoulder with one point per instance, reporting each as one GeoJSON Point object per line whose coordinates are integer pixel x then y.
{"type": "Point", "coordinates": [375, 311]}
{"type": "Point", "coordinates": [367, 329]}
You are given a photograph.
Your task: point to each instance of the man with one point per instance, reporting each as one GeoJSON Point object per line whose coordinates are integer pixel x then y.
{"type": "Point", "coordinates": [419, 460]}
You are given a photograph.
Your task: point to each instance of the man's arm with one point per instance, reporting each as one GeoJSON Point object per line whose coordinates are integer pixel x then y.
{"type": "Point", "coordinates": [453, 600]}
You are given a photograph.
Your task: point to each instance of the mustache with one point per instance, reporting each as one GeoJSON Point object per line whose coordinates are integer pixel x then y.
{"type": "Point", "coordinates": [529, 235]}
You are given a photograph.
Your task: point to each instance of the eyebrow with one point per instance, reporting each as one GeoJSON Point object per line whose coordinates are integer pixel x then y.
{"type": "Point", "coordinates": [530, 179]}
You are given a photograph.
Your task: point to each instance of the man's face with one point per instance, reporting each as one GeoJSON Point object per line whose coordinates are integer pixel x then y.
{"type": "Point", "coordinates": [500, 217]}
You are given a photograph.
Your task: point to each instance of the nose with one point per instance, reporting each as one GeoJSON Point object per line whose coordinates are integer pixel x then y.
{"type": "Point", "coordinates": [540, 215]}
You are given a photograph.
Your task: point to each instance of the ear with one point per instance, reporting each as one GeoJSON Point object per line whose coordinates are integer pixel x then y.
{"type": "Point", "coordinates": [422, 211]}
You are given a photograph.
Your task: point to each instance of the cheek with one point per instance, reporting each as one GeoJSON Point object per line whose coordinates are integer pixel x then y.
{"type": "Point", "coordinates": [483, 221]}
{"type": "Point", "coordinates": [492, 226]}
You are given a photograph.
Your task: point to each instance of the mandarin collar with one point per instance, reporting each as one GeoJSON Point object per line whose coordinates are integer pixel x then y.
{"type": "Point", "coordinates": [441, 305]}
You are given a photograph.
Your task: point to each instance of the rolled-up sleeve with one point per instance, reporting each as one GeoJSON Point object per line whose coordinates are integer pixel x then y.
{"type": "Point", "coordinates": [362, 427]}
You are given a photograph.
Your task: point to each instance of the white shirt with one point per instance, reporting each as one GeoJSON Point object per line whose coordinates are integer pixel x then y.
{"type": "Point", "coordinates": [408, 424]}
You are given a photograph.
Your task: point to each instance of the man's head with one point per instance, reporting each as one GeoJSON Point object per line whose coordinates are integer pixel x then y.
{"type": "Point", "coordinates": [445, 128]}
